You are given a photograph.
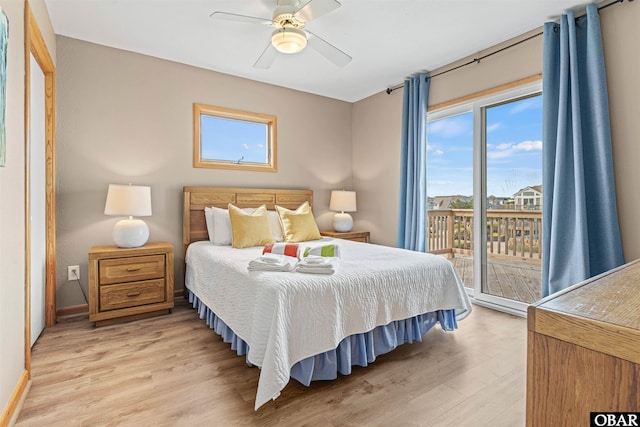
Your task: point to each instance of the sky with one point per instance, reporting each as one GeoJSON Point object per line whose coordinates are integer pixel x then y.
{"type": "Point", "coordinates": [514, 150]}
{"type": "Point", "coordinates": [229, 139]}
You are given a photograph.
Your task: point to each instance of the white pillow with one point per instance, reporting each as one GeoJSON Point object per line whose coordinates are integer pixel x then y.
{"type": "Point", "coordinates": [219, 225]}
{"type": "Point", "coordinates": [276, 227]}
{"type": "Point", "coordinates": [208, 217]}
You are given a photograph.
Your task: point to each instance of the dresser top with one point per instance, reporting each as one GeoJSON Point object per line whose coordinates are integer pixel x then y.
{"type": "Point", "coordinates": [612, 297]}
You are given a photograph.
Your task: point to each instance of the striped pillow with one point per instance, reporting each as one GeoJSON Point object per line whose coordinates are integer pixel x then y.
{"type": "Point", "coordinates": [288, 249]}
{"type": "Point", "coordinates": [324, 250]}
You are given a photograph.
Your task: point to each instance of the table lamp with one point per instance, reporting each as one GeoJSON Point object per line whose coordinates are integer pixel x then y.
{"type": "Point", "coordinates": [343, 201]}
{"type": "Point", "coordinates": [129, 200]}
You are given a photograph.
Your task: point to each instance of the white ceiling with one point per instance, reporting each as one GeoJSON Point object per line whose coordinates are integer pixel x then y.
{"type": "Point", "coordinates": [388, 39]}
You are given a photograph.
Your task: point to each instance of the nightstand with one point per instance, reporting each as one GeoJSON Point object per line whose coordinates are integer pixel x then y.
{"type": "Point", "coordinates": [130, 283]}
{"type": "Point", "coordinates": [356, 236]}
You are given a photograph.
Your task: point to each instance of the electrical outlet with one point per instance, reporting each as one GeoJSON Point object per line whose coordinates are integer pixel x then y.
{"type": "Point", "coordinates": [73, 272]}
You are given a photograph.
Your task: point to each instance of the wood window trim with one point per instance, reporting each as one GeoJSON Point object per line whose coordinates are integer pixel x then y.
{"type": "Point", "coordinates": [484, 93]}
{"type": "Point", "coordinates": [271, 121]}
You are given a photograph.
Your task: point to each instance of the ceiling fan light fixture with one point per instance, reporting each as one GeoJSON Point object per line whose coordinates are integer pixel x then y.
{"type": "Point", "coordinates": [289, 40]}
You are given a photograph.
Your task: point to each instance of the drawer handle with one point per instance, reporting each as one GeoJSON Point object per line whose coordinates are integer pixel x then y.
{"type": "Point", "coordinates": [131, 269]}
{"type": "Point", "coordinates": [133, 294]}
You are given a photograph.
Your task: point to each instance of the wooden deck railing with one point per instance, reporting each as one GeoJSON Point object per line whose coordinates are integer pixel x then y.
{"type": "Point", "coordinates": [510, 233]}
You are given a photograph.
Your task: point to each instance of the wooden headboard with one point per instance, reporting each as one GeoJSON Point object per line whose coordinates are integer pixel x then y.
{"type": "Point", "coordinates": [194, 227]}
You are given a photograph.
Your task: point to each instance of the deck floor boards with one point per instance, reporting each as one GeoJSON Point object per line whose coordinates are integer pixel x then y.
{"type": "Point", "coordinates": [508, 279]}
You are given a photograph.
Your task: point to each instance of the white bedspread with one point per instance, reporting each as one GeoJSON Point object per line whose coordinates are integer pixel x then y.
{"type": "Point", "coordinates": [287, 316]}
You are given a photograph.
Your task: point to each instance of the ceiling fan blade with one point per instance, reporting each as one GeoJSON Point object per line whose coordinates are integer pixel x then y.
{"type": "Point", "coordinates": [328, 50]}
{"type": "Point", "coordinates": [240, 18]}
{"type": "Point", "coordinates": [267, 57]}
{"type": "Point", "coordinates": [315, 8]}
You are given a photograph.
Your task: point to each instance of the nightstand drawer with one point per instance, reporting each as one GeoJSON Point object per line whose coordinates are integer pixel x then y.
{"type": "Point", "coordinates": [119, 270]}
{"type": "Point", "coordinates": [131, 294]}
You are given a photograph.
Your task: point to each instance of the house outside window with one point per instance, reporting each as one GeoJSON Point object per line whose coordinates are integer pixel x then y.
{"type": "Point", "coordinates": [529, 198]}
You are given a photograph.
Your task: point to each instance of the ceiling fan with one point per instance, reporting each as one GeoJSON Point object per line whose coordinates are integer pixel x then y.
{"type": "Point", "coordinates": [289, 35]}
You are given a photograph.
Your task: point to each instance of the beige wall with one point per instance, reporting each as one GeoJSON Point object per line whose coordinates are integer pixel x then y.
{"type": "Point", "coordinates": [515, 63]}
{"type": "Point", "coordinates": [12, 200]}
{"type": "Point", "coordinates": [377, 126]}
{"type": "Point", "coordinates": [377, 123]}
{"type": "Point", "coordinates": [621, 40]}
{"type": "Point", "coordinates": [124, 117]}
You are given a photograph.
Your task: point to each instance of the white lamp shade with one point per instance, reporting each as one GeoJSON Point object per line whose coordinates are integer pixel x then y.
{"type": "Point", "coordinates": [128, 200]}
{"type": "Point", "coordinates": [343, 201]}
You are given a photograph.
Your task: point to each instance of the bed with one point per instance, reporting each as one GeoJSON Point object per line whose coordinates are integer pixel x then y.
{"type": "Point", "coordinates": [306, 326]}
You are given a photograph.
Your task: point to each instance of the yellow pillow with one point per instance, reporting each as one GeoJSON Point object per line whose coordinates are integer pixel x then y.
{"type": "Point", "coordinates": [298, 225]}
{"type": "Point", "coordinates": [249, 229]}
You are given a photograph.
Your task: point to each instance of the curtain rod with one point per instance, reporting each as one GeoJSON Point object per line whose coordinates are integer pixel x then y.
{"type": "Point", "coordinates": [477, 60]}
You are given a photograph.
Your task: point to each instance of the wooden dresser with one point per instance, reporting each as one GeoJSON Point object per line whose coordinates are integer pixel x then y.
{"type": "Point", "coordinates": [130, 283]}
{"type": "Point", "coordinates": [584, 350]}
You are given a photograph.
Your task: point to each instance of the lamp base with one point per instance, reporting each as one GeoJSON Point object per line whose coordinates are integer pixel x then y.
{"type": "Point", "coordinates": [342, 222]}
{"type": "Point", "coordinates": [130, 233]}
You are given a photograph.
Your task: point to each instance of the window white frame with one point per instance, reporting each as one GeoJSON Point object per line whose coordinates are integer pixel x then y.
{"type": "Point", "coordinates": [478, 107]}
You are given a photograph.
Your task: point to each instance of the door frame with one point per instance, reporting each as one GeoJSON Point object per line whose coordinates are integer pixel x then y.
{"type": "Point", "coordinates": [36, 46]}
{"type": "Point", "coordinates": [480, 196]}
{"type": "Point", "coordinates": [476, 104]}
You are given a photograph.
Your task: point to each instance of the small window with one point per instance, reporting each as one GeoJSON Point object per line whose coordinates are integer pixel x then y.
{"type": "Point", "coordinates": [232, 139]}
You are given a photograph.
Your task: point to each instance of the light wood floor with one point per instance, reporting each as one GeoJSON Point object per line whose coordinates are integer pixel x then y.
{"type": "Point", "coordinates": [174, 371]}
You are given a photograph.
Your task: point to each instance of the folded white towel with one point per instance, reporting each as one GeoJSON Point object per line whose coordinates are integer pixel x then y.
{"type": "Point", "coordinates": [272, 262]}
{"type": "Point", "coordinates": [317, 262]}
{"type": "Point", "coordinates": [315, 270]}
{"type": "Point", "coordinates": [314, 260]}
{"type": "Point", "coordinates": [317, 265]}
{"type": "Point", "coordinates": [271, 258]}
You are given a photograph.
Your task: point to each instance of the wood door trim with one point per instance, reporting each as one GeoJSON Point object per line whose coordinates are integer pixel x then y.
{"type": "Point", "coordinates": [36, 46]}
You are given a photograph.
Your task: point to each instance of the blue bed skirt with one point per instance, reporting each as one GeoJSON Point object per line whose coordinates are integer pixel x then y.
{"type": "Point", "coordinates": [359, 349]}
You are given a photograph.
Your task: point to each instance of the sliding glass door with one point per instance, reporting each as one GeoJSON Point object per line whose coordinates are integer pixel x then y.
{"type": "Point", "coordinates": [513, 209]}
{"type": "Point", "coordinates": [484, 186]}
